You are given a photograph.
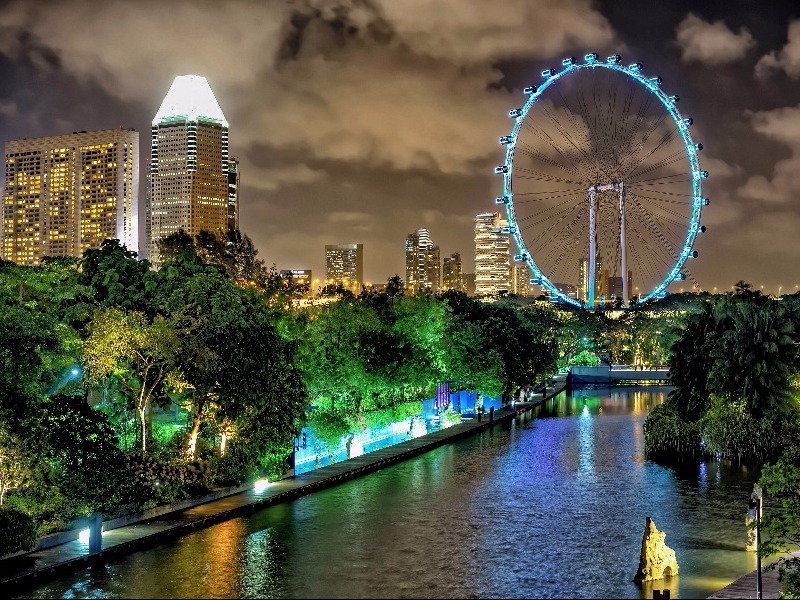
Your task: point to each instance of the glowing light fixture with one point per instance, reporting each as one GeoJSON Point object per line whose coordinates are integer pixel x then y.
{"type": "Point", "coordinates": [83, 536]}
{"type": "Point", "coordinates": [190, 97]}
{"type": "Point", "coordinates": [260, 485]}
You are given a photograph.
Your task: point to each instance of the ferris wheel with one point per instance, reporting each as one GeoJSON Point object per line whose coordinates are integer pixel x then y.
{"type": "Point", "coordinates": [602, 184]}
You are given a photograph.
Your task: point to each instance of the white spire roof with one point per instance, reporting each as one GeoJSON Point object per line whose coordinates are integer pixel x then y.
{"type": "Point", "coordinates": [190, 97]}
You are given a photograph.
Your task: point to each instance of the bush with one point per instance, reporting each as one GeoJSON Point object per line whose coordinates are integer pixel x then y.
{"type": "Point", "coordinates": [151, 482]}
{"type": "Point", "coordinates": [666, 435]}
{"type": "Point", "coordinates": [585, 359]}
{"type": "Point", "coordinates": [731, 432]}
{"type": "Point", "coordinates": [17, 531]}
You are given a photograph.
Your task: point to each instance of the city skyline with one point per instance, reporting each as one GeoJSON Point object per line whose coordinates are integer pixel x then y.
{"type": "Point", "coordinates": [361, 122]}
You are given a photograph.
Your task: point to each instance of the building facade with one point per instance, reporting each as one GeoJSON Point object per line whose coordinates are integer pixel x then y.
{"type": "Point", "coordinates": [452, 276]}
{"type": "Point", "coordinates": [492, 260]}
{"type": "Point", "coordinates": [189, 164]}
{"type": "Point", "coordinates": [423, 265]}
{"type": "Point", "coordinates": [344, 263]}
{"type": "Point", "coordinates": [64, 195]}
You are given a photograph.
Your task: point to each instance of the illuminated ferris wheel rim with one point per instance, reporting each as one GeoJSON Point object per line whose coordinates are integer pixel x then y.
{"type": "Point", "coordinates": [551, 76]}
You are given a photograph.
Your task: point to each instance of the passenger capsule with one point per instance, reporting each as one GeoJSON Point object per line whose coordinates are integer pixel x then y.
{"type": "Point", "coordinates": [698, 147]}
{"type": "Point", "coordinates": [614, 59]}
{"type": "Point", "coordinates": [531, 89]}
{"type": "Point", "coordinates": [688, 121]}
{"type": "Point", "coordinates": [591, 57]}
{"type": "Point", "coordinates": [515, 112]}
{"type": "Point", "coordinates": [501, 200]}
{"type": "Point", "coordinates": [635, 67]}
{"type": "Point", "coordinates": [548, 72]}
{"type": "Point", "coordinates": [506, 139]}
{"type": "Point", "coordinates": [569, 61]}
{"type": "Point", "coordinates": [501, 169]}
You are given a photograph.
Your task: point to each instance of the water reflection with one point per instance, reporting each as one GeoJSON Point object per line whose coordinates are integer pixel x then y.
{"type": "Point", "coordinates": [553, 505]}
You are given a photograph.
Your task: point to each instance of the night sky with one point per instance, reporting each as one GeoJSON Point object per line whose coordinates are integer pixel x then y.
{"type": "Point", "coordinates": [361, 121]}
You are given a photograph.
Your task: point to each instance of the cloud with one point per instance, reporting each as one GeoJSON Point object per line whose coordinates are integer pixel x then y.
{"type": "Point", "coordinates": [711, 43]}
{"type": "Point", "coordinates": [788, 59]}
{"type": "Point", "coordinates": [384, 84]}
{"type": "Point", "coordinates": [780, 125]}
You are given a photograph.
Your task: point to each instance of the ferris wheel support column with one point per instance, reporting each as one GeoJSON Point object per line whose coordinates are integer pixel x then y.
{"type": "Point", "coordinates": [592, 244]}
{"type": "Point", "coordinates": [622, 247]}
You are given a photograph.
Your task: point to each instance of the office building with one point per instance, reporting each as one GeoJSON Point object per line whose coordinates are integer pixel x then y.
{"type": "Point", "coordinates": [299, 277]}
{"type": "Point", "coordinates": [344, 263]}
{"type": "Point", "coordinates": [189, 164]}
{"type": "Point", "coordinates": [233, 194]}
{"type": "Point", "coordinates": [492, 261]}
{"type": "Point", "coordinates": [65, 194]}
{"type": "Point", "coordinates": [423, 266]}
{"type": "Point", "coordinates": [452, 277]}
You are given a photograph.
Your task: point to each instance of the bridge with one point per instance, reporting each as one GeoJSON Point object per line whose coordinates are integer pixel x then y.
{"type": "Point", "coordinates": [618, 374]}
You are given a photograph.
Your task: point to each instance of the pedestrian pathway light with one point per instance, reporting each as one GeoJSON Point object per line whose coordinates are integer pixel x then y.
{"type": "Point", "coordinates": [755, 504]}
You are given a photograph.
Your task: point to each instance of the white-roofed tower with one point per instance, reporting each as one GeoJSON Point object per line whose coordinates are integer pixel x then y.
{"type": "Point", "coordinates": [188, 163]}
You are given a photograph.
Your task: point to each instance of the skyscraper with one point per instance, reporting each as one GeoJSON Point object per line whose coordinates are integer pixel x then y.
{"type": "Point", "coordinates": [66, 194]}
{"type": "Point", "coordinates": [492, 261]}
{"type": "Point", "coordinates": [451, 273]}
{"type": "Point", "coordinates": [233, 193]}
{"type": "Point", "coordinates": [423, 267]}
{"type": "Point", "coordinates": [345, 264]}
{"type": "Point", "coordinates": [521, 280]}
{"type": "Point", "coordinates": [188, 163]}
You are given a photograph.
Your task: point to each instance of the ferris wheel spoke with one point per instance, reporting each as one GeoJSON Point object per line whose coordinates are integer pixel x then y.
{"type": "Point", "coordinates": [567, 138]}
{"type": "Point", "coordinates": [544, 136]}
{"type": "Point", "coordinates": [635, 161]}
{"type": "Point", "coordinates": [525, 149]}
{"type": "Point", "coordinates": [653, 227]}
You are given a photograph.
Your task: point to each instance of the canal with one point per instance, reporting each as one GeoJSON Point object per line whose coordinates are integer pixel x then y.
{"type": "Point", "coordinates": [551, 506]}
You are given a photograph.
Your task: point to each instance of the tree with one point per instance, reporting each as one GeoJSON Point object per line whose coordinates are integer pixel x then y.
{"type": "Point", "coordinates": [136, 353]}
{"type": "Point", "coordinates": [115, 277]}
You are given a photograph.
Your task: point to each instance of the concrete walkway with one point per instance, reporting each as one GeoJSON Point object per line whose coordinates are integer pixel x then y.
{"type": "Point", "coordinates": [75, 555]}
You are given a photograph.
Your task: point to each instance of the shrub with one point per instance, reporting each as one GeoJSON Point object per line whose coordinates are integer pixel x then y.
{"type": "Point", "coordinates": [585, 359]}
{"type": "Point", "coordinates": [17, 531]}
{"type": "Point", "coordinates": [667, 435]}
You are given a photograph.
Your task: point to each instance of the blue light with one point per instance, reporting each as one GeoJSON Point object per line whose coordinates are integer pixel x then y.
{"type": "Point", "coordinates": [536, 281]}
{"type": "Point", "coordinates": [656, 80]}
{"type": "Point", "coordinates": [548, 72]}
{"type": "Point", "coordinates": [698, 147]}
{"type": "Point", "coordinates": [614, 59]}
{"type": "Point", "coordinates": [531, 89]}
{"type": "Point", "coordinates": [520, 257]}
{"type": "Point", "coordinates": [515, 112]}
{"type": "Point", "coordinates": [591, 57]}
{"type": "Point", "coordinates": [501, 200]}
{"type": "Point", "coordinates": [688, 121]}
{"type": "Point", "coordinates": [635, 67]}
{"type": "Point", "coordinates": [568, 62]}
{"type": "Point", "coordinates": [506, 139]}
{"type": "Point", "coordinates": [674, 99]}
{"type": "Point", "coordinates": [704, 174]}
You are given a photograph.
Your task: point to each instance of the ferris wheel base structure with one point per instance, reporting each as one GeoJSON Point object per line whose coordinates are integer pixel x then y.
{"type": "Point", "coordinates": [600, 157]}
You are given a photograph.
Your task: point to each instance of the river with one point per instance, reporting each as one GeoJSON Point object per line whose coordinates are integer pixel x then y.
{"type": "Point", "coordinates": [552, 506]}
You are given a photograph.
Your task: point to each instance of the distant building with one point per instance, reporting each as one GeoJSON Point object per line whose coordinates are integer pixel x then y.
{"type": "Point", "coordinates": [65, 194]}
{"type": "Point", "coordinates": [521, 280]}
{"type": "Point", "coordinates": [567, 289]}
{"type": "Point", "coordinates": [345, 264]}
{"type": "Point", "coordinates": [423, 266]}
{"type": "Point", "coordinates": [492, 261]}
{"type": "Point", "coordinates": [299, 276]}
{"type": "Point", "coordinates": [451, 273]}
{"type": "Point", "coordinates": [189, 163]}
{"type": "Point", "coordinates": [615, 286]}
{"type": "Point", "coordinates": [468, 283]}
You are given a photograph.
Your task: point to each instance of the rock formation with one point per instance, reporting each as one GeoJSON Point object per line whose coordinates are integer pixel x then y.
{"type": "Point", "coordinates": [657, 560]}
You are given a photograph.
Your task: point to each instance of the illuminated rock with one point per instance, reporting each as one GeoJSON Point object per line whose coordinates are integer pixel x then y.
{"type": "Point", "coordinates": [657, 560]}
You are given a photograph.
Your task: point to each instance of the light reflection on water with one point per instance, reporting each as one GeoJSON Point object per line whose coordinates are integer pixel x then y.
{"type": "Point", "coordinates": [548, 507]}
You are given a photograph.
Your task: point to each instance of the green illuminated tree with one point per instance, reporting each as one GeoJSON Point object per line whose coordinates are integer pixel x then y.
{"type": "Point", "coordinates": [138, 355]}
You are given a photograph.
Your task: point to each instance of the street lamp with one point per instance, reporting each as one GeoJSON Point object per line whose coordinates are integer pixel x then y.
{"type": "Point", "coordinates": [755, 504]}
{"type": "Point", "coordinates": [780, 287]}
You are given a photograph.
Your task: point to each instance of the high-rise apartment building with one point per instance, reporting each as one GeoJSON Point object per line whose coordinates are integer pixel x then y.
{"type": "Point", "coordinates": [189, 165]}
{"type": "Point", "coordinates": [233, 194]}
{"type": "Point", "coordinates": [492, 261]}
{"type": "Point", "coordinates": [451, 273]}
{"type": "Point", "coordinates": [344, 263]}
{"type": "Point", "coordinates": [65, 194]}
{"type": "Point", "coordinates": [423, 267]}
{"type": "Point", "coordinates": [521, 280]}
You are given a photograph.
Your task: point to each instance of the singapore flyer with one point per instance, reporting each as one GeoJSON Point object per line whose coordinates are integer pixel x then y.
{"type": "Point", "coordinates": [602, 184]}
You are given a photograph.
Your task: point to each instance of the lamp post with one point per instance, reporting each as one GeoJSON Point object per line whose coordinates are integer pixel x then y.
{"type": "Point", "coordinates": [780, 287]}
{"type": "Point", "coordinates": [755, 504]}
